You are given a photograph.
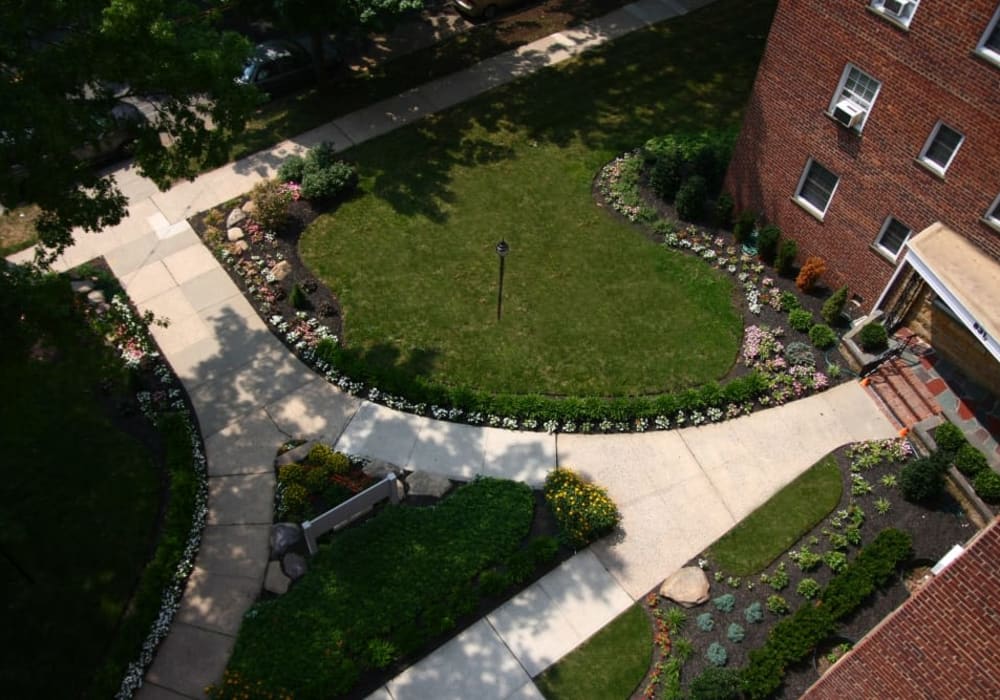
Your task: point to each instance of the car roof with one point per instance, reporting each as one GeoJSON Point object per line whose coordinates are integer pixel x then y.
{"type": "Point", "coordinates": [275, 48]}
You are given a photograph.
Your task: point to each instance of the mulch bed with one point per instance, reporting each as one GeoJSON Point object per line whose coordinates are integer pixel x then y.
{"type": "Point", "coordinates": [935, 528]}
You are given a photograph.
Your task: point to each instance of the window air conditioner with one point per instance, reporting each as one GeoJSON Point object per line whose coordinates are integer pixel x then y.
{"type": "Point", "coordinates": [899, 8]}
{"type": "Point", "coordinates": [848, 113]}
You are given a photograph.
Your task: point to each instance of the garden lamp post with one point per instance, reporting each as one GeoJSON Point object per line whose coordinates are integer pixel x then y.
{"type": "Point", "coordinates": [502, 250]}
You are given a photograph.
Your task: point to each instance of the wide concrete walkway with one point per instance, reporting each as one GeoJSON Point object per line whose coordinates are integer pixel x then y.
{"type": "Point", "coordinates": [678, 491]}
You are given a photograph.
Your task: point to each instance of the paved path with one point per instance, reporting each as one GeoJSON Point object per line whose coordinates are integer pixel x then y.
{"type": "Point", "coordinates": [678, 491]}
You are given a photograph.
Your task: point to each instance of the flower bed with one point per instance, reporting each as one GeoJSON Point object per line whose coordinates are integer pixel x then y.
{"type": "Point", "coordinates": [744, 609]}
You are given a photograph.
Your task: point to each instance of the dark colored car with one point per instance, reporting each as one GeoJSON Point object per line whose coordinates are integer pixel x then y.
{"type": "Point", "coordinates": [281, 65]}
{"type": "Point", "coordinates": [118, 132]}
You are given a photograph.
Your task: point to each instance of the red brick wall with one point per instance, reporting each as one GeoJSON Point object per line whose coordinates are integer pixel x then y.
{"type": "Point", "coordinates": [941, 643]}
{"type": "Point", "coordinates": [929, 72]}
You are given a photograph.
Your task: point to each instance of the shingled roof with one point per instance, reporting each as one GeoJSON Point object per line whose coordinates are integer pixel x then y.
{"type": "Point", "coordinates": [941, 643]}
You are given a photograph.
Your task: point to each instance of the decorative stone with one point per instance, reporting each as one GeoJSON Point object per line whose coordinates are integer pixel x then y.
{"type": "Point", "coordinates": [687, 587]}
{"type": "Point", "coordinates": [240, 247]}
{"type": "Point", "coordinates": [234, 234]}
{"type": "Point", "coordinates": [82, 286]}
{"type": "Point", "coordinates": [236, 217]}
{"type": "Point", "coordinates": [379, 469]}
{"type": "Point", "coordinates": [284, 536]}
{"type": "Point", "coordinates": [296, 454]}
{"type": "Point", "coordinates": [96, 297]}
{"type": "Point", "coordinates": [275, 580]}
{"type": "Point", "coordinates": [294, 565]}
{"type": "Point", "coordinates": [427, 484]}
{"type": "Point", "coordinates": [281, 270]}
{"type": "Point", "coordinates": [249, 207]}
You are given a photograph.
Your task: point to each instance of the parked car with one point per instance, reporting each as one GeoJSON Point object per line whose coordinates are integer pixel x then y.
{"type": "Point", "coordinates": [119, 131]}
{"type": "Point", "coordinates": [487, 9]}
{"type": "Point", "coordinates": [281, 65]}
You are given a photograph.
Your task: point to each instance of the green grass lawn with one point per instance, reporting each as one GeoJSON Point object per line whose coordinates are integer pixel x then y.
{"type": "Point", "coordinates": [78, 506]}
{"type": "Point", "coordinates": [774, 527]}
{"type": "Point", "coordinates": [608, 666]}
{"type": "Point", "coordinates": [590, 307]}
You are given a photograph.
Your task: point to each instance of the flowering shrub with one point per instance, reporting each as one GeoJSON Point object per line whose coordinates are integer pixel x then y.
{"type": "Point", "coordinates": [271, 202]}
{"type": "Point", "coordinates": [618, 182]}
{"type": "Point", "coordinates": [584, 511]}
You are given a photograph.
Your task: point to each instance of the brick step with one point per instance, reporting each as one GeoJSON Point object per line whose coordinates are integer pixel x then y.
{"type": "Point", "coordinates": [902, 395]}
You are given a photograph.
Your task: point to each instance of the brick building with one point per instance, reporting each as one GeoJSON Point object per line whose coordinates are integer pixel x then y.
{"type": "Point", "coordinates": [872, 138]}
{"type": "Point", "coordinates": [941, 643]}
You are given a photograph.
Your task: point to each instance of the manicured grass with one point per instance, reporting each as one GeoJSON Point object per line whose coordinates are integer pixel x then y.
{"type": "Point", "coordinates": [590, 307]}
{"type": "Point", "coordinates": [78, 502]}
{"type": "Point", "coordinates": [774, 527]}
{"type": "Point", "coordinates": [609, 665]}
{"type": "Point", "coordinates": [379, 591]}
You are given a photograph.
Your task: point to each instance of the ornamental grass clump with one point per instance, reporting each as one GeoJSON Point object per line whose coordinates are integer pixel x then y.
{"type": "Point", "coordinates": [583, 510]}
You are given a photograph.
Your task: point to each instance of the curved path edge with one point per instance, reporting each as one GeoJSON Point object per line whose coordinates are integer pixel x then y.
{"type": "Point", "coordinates": [677, 491]}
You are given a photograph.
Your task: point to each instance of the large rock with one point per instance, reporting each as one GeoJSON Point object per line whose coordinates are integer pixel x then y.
{"type": "Point", "coordinates": [427, 484]}
{"type": "Point", "coordinates": [234, 234]}
{"type": "Point", "coordinates": [687, 587]}
{"type": "Point", "coordinates": [250, 207]}
{"type": "Point", "coordinates": [281, 270]}
{"type": "Point", "coordinates": [284, 536]}
{"type": "Point", "coordinates": [82, 286]}
{"type": "Point", "coordinates": [96, 297]}
{"type": "Point", "coordinates": [240, 247]}
{"type": "Point", "coordinates": [275, 580]}
{"type": "Point", "coordinates": [294, 565]}
{"type": "Point", "coordinates": [296, 454]}
{"type": "Point", "coordinates": [235, 218]}
{"type": "Point", "coordinates": [379, 469]}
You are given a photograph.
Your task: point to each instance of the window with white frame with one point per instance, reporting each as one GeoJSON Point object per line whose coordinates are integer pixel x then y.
{"type": "Point", "coordinates": [899, 11]}
{"type": "Point", "coordinates": [816, 187]}
{"type": "Point", "coordinates": [855, 95]}
{"type": "Point", "coordinates": [993, 214]}
{"type": "Point", "coordinates": [941, 148]}
{"type": "Point", "coordinates": [989, 45]}
{"type": "Point", "coordinates": [892, 236]}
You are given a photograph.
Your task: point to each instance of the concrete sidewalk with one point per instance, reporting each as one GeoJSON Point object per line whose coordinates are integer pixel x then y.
{"type": "Point", "coordinates": [677, 491]}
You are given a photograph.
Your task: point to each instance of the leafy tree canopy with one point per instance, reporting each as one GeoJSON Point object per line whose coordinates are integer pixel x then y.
{"type": "Point", "coordinates": [65, 64]}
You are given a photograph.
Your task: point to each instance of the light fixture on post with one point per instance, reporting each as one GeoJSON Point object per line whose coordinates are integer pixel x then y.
{"type": "Point", "coordinates": [502, 250]}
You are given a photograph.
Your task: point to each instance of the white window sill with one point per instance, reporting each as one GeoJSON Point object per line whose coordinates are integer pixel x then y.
{"type": "Point", "coordinates": [810, 209]}
{"type": "Point", "coordinates": [885, 253]}
{"type": "Point", "coordinates": [932, 168]}
{"type": "Point", "coordinates": [988, 55]}
{"type": "Point", "coordinates": [891, 18]}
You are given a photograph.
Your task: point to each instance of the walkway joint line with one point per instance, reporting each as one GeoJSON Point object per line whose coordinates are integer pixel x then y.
{"type": "Point", "coordinates": [715, 488]}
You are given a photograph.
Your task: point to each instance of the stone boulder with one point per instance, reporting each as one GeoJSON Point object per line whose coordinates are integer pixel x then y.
{"type": "Point", "coordinates": [275, 580]}
{"type": "Point", "coordinates": [82, 286]}
{"type": "Point", "coordinates": [284, 536]}
{"type": "Point", "coordinates": [96, 297]}
{"type": "Point", "coordinates": [235, 218]}
{"type": "Point", "coordinates": [379, 469]}
{"type": "Point", "coordinates": [240, 247]}
{"type": "Point", "coordinates": [427, 484]}
{"type": "Point", "coordinates": [249, 207]}
{"type": "Point", "coordinates": [296, 454]}
{"type": "Point", "coordinates": [281, 270]}
{"type": "Point", "coordinates": [294, 565]}
{"type": "Point", "coordinates": [234, 234]}
{"type": "Point", "coordinates": [687, 587]}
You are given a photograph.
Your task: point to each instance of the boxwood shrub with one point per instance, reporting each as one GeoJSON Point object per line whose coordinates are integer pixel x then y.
{"type": "Point", "coordinates": [970, 461]}
{"type": "Point", "coordinates": [949, 438]}
{"type": "Point", "coordinates": [987, 485]}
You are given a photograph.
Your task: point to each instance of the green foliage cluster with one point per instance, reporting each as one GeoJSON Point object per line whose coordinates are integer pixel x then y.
{"type": "Point", "coordinates": [716, 684]}
{"type": "Point", "coordinates": [767, 243]}
{"type": "Point", "coordinates": [717, 654]}
{"type": "Point", "coordinates": [705, 622]}
{"type": "Point", "coordinates": [786, 257]}
{"type": "Point", "coordinates": [793, 638]}
{"type": "Point", "coordinates": [808, 588]}
{"type": "Point", "coordinates": [541, 409]}
{"type": "Point", "coordinates": [949, 438]}
{"type": "Point", "coordinates": [723, 215]}
{"type": "Point", "coordinates": [987, 485]}
{"type": "Point", "coordinates": [800, 320]}
{"type": "Point", "coordinates": [735, 632]}
{"type": "Point", "coordinates": [325, 457]}
{"type": "Point", "coordinates": [744, 227]}
{"type": "Point", "coordinates": [320, 174]}
{"type": "Point", "coordinates": [779, 579]}
{"type": "Point", "coordinates": [690, 200]}
{"type": "Point", "coordinates": [799, 354]}
{"type": "Point", "coordinates": [583, 510]}
{"type": "Point", "coordinates": [351, 603]}
{"type": "Point", "coordinates": [970, 461]}
{"type": "Point", "coordinates": [789, 302]}
{"type": "Point", "coordinates": [833, 308]}
{"type": "Point", "coordinates": [873, 337]}
{"type": "Point", "coordinates": [677, 157]}
{"type": "Point", "coordinates": [725, 602]}
{"type": "Point", "coordinates": [754, 612]}
{"type": "Point", "coordinates": [271, 202]}
{"type": "Point", "coordinates": [922, 480]}
{"type": "Point", "coordinates": [300, 485]}
{"type": "Point", "coordinates": [822, 336]}
{"type": "Point", "coordinates": [777, 604]}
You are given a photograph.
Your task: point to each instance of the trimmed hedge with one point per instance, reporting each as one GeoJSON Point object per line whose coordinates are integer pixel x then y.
{"type": "Point", "coordinates": [791, 639]}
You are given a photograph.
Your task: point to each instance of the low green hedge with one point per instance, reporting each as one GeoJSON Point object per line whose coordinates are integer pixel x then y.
{"type": "Point", "coordinates": [379, 592]}
{"type": "Point", "coordinates": [793, 638]}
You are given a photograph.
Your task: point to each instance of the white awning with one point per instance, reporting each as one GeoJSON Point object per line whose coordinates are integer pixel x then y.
{"type": "Point", "coordinates": [963, 276]}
